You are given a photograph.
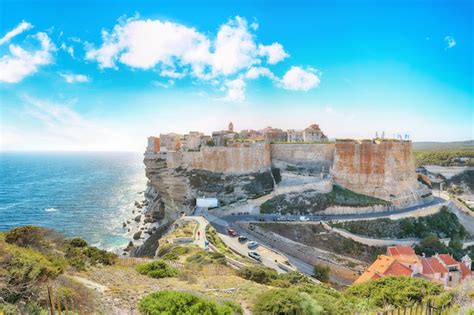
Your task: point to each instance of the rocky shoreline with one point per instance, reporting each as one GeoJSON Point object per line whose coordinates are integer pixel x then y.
{"type": "Point", "coordinates": [146, 222]}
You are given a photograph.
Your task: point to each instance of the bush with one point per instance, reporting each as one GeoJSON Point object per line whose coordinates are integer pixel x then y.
{"type": "Point", "coordinates": [285, 301]}
{"type": "Point", "coordinates": [395, 291]}
{"type": "Point", "coordinates": [24, 271]}
{"type": "Point", "coordinates": [258, 274]}
{"type": "Point", "coordinates": [174, 303]}
{"type": "Point", "coordinates": [35, 237]}
{"type": "Point", "coordinates": [206, 258]}
{"type": "Point", "coordinates": [321, 273]}
{"type": "Point", "coordinates": [157, 269]}
{"type": "Point", "coordinates": [431, 245]}
{"type": "Point", "coordinates": [172, 251]}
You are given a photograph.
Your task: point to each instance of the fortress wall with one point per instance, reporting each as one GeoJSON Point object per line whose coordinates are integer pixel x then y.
{"type": "Point", "coordinates": [312, 156]}
{"type": "Point", "coordinates": [384, 170]}
{"type": "Point", "coordinates": [230, 160]}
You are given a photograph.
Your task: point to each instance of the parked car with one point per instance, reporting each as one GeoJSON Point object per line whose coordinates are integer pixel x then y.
{"type": "Point", "coordinates": [242, 239]}
{"type": "Point", "coordinates": [232, 233]}
{"type": "Point", "coordinates": [303, 218]}
{"type": "Point", "coordinates": [281, 219]}
{"type": "Point", "coordinates": [252, 245]}
{"type": "Point", "coordinates": [255, 255]}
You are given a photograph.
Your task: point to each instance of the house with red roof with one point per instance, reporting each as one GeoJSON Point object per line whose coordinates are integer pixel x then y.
{"type": "Point", "coordinates": [403, 261]}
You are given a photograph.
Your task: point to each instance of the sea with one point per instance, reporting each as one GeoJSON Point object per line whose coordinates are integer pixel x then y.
{"type": "Point", "coordinates": [80, 194]}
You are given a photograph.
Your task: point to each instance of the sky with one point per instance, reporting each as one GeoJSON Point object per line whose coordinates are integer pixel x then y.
{"type": "Point", "coordinates": [105, 75]}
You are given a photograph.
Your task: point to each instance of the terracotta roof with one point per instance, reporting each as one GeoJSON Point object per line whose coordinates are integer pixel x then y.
{"type": "Point", "coordinates": [384, 266]}
{"type": "Point", "coordinates": [404, 254]}
{"type": "Point", "coordinates": [432, 265]}
{"type": "Point", "coordinates": [447, 259]}
{"type": "Point", "coordinates": [465, 272]}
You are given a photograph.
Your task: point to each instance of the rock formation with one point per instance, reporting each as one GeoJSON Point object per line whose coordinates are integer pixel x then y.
{"type": "Point", "coordinates": [385, 170]}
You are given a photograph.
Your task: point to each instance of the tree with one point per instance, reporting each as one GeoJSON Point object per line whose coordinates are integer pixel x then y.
{"type": "Point", "coordinates": [430, 245]}
{"type": "Point", "coordinates": [321, 273]}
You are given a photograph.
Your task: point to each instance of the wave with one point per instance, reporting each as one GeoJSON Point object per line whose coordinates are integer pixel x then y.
{"type": "Point", "coordinates": [50, 209]}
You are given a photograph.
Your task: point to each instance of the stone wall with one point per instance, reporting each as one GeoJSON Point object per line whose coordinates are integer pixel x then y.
{"type": "Point", "coordinates": [235, 160]}
{"type": "Point", "coordinates": [385, 170]}
{"type": "Point", "coordinates": [314, 156]}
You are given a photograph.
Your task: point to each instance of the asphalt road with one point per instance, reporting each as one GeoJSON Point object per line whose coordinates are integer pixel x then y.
{"type": "Point", "coordinates": [326, 217]}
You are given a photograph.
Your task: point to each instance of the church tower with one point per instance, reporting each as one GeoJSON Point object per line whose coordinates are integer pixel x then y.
{"type": "Point", "coordinates": [231, 126]}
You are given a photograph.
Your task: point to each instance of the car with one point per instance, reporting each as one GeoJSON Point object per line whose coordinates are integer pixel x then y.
{"type": "Point", "coordinates": [252, 245]}
{"type": "Point", "coordinates": [255, 255]}
{"type": "Point", "coordinates": [232, 233]}
{"type": "Point", "coordinates": [304, 219]}
{"type": "Point", "coordinates": [242, 239]}
{"type": "Point", "coordinates": [281, 219]}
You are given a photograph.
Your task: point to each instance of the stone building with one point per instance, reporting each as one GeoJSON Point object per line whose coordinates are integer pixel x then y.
{"type": "Point", "coordinates": [153, 145]}
{"type": "Point", "coordinates": [170, 142]}
{"type": "Point", "coordinates": [294, 135]}
{"type": "Point", "coordinates": [220, 138]}
{"type": "Point", "coordinates": [314, 134]}
{"type": "Point", "coordinates": [192, 141]}
{"type": "Point", "coordinates": [274, 134]}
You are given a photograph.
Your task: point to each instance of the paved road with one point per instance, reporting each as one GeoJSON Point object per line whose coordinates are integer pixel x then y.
{"type": "Point", "coordinates": [319, 217]}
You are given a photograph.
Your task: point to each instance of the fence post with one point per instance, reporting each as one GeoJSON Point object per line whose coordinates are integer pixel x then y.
{"type": "Point", "coordinates": [51, 305]}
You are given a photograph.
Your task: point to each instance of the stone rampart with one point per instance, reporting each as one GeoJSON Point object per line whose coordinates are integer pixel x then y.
{"type": "Point", "coordinates": [230, 160]}
{"type": "Point", "coordinates": [383, 170]}
{"type": "Point", "coordinates": [312, 156]}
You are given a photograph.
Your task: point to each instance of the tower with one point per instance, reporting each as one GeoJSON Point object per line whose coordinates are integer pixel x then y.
{"type": "Point", "coordinates": [231, 126]}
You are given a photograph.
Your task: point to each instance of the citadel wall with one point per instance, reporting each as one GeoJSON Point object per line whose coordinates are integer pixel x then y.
{"type": "Point", "coordinates": [239, 159]}
{"type": "Point", "coordinates": [314, 156]}
{"type": "Point", "coordinates": [384, 170]}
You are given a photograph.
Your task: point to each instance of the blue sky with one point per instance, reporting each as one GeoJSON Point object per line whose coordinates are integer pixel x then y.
{"type": "Point", "coordinates": [81, 75]}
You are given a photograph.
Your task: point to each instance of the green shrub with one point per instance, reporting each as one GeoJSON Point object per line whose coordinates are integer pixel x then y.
{"type": "Point", "coordinates": [77, 242]}
{"type": "Point", "coordinates": [35, 237]}
{"type": "Point", "coordinates": [258, 274]}
{"type": "Point", "coordinates": [172, 251]}
{"type": "Point", "coordinates": [395, 291]}
{"type": "Point", "coordinates": [205, 258]}
{"type": "Point", "coordinates": [157, 269]}
{"type": "Point", "coordinates": [285, 301]}
{"type": "Point", "coordinates": [321, 273]}
{"type": "Point", "coordinates": [181, 303]}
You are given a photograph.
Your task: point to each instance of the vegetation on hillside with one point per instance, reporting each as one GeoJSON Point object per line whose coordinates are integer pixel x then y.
{"type": "Point", "coordinates": [33, 257]}
{"type": "Point", "coordinates": [172, 302]}
{"type": "Point", "coordinates": [444, 157]}
{"type": "Point", "coordinates": [443, 224]}
{"type": "Point", "coordinates": [157, 269]}
{"type": "Point", "coordinates": [311, 201]}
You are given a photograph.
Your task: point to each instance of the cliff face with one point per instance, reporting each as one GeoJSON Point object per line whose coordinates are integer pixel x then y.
{"type": "Point", "coordinates": [180, 177]}
{"type": "Point", "coordinates": [384, 170]}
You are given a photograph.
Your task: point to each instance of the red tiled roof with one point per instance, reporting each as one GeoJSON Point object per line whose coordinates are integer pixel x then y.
{"type": "Point", "coordinates": [397, 269]}
{"type": "Point", "coordinates": [384, 266]}
{"type": "Point", "coordinates": [400, 250]}
{"type": "Point", "coordinates": [404, 254]}
{"type": "Point", "coordinates": [447, 259]}
{"type": "Point", "coordinates": [432, 265]}
{"type": "Point", "coordinates": [465, 272]}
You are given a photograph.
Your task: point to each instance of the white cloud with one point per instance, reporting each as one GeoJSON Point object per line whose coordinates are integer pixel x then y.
{"type": "Point", "coordinates": [256, 72]}
{"type": "Point", "coordinates": [166, 85]}
{"type": "Point", "coordinates": [175, 50]}
{"type": "Point", "coordinates": [274, 53]}
{"type": "Point", "coordinates": [68, 49]}
{"type": "Point", "coordinates": [57, 126]}
{"type": "Point", "coordinates": [20, 63]}
{"type": "Point", "coordinates": [75, 78]}
{"type": "Point", "coordinates": [298, 79]}
{"type": "Point", "coordinates": [450, 42]}
{"type": "Point", "coordinates": [20, 28]}
{"type": "Point", "coordinates": [235, 90]}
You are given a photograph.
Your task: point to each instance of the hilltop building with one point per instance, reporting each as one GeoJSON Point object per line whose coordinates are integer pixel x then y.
{"type": "Point", "coordinates": [314, 134]}
{"type": "Point", "coordinates": [403, 261]}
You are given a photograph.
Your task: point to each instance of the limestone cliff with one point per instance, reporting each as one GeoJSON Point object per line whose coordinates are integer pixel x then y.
{"type": "Point", "coordinates": [384, 170]}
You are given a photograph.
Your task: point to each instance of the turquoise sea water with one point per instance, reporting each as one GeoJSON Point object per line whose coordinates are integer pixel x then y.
{"type": "Point", "coordinates": [85, 194]}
